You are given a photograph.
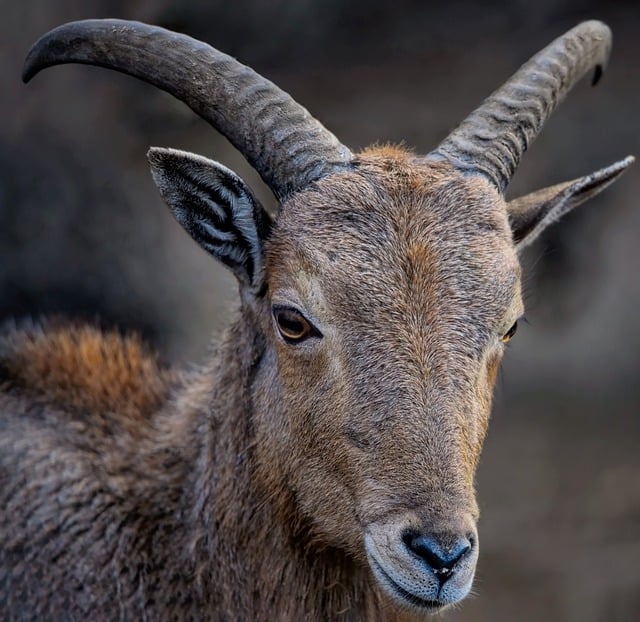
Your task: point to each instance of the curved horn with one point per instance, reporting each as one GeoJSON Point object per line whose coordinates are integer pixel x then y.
{"type": "Point", "coordinates": [279, 138]}
{"type": "Point", "coordinates": [492, 139]}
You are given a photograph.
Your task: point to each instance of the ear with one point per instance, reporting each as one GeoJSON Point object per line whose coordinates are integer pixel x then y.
{"type": "Point", "coordinates": [531, 214]}
{"type": "Point", "coordinates": [216, 208]}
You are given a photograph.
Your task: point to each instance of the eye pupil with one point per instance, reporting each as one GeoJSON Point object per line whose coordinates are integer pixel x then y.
{"type": "Point", "coordinates": [510, 333]}
{"type": "Point", "coordinates": [292, 325]}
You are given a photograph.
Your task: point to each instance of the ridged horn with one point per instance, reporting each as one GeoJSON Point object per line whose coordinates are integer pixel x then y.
{"type": "Point", "coordinates": [278, 137]}
{"type": "Point", "coordinates": [492, 139]}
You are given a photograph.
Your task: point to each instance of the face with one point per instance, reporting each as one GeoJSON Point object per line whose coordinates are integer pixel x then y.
{"type": "Point", "coordinates": [392, 290]}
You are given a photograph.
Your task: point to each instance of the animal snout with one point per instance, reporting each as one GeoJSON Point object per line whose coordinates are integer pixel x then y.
{"type": "Point", "coordinates": [443, 553]}
{"type": "Point", "coordinates": [424, 566]}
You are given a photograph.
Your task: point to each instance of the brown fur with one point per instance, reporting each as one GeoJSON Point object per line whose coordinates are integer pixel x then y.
{"type": "Point", "coordinates": [328, 476]}
{"type": "Point", "coordinates": [84, 368]}
{"type": "Point", "coordinates": [249, 493]}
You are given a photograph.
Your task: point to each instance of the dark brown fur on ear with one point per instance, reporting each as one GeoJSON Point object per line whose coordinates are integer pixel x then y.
{"type": "Point", "coordinates": [83, 367]}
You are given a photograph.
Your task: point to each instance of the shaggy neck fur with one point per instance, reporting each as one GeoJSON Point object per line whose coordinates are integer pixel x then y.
{"type": "Point", "coordinates": [183, 514]}
{"type": "Point", "coordinates": [253, 556]}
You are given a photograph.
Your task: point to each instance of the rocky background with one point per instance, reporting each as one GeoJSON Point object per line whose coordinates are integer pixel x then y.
{"type": "Point", "coordinates": [83, 232]}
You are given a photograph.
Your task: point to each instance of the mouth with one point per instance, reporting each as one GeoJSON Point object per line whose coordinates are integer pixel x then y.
{"type": "Point", "coordinates": [406, 597]}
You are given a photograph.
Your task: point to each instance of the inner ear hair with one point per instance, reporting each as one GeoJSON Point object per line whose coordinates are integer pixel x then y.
{"type": "Point", "coordinates": [531, 214]}
{"type": "Point", "coordinates": [216, 208]}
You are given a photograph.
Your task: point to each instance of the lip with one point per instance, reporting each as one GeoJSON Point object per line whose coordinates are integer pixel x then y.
{"type": "Point", "coordinates": [406, 596]}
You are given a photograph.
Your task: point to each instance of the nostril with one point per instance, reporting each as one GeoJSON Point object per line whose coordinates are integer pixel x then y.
{"type": "Point", "coordinates": [441, 552]}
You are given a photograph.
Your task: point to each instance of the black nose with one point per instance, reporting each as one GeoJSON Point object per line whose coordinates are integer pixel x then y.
{"type": "Point", "coordinates": [442, 552]}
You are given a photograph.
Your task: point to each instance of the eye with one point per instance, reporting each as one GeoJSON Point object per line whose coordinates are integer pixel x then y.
{"type": "Point", "coordinates": [506, 338]}
{"type": "Point", "coordinates": [293, 326]}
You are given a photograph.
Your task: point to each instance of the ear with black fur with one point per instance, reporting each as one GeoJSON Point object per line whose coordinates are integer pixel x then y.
{"type": "Point", "coordinates": [216, 208]}
{"type": "Point", "coordinates": [531, 214]}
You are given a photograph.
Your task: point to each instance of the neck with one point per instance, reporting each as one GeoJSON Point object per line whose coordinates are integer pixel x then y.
{"type": "Point", "coordinates": [251, 553]}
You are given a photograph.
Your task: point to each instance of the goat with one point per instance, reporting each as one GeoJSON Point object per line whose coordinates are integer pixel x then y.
{"type": "Point", "coordinates": [321, 465]}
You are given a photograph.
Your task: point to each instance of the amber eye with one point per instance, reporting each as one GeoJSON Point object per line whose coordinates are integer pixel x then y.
{"type": "Point", "coordinates": [293, 326]}
{"type": "Point", "coordinates": [510, 333]}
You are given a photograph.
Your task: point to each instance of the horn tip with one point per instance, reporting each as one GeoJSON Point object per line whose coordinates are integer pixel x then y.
{"type": "Point", "coordinates": [53, 47]}
{"type": "Point", "coordinates": [597, 74]}
{"type": "Point", "coordinates": [39, 55]}
{"type": "Point", "coordinates": [33, 61]}
{"type": "Point", "coordinates": [30, 68]}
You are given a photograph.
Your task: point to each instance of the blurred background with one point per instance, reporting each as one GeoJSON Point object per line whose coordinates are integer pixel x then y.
{"type": "Point", "coordinates": [84, 233]}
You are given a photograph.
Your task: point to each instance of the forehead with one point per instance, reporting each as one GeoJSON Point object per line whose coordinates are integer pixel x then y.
{"type": "Point", "coordinates": [397, 233]}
